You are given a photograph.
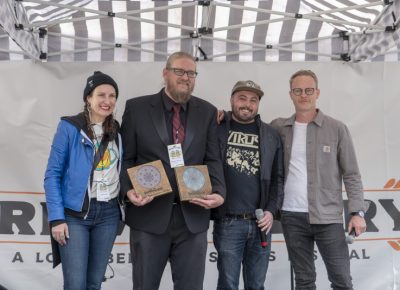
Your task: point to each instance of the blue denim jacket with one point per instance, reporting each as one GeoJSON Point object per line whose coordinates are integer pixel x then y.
{"type": "Point", "coordinates": [68, 170]}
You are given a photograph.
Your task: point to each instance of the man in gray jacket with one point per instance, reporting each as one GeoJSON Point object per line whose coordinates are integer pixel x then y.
{"type": "Point", "coordinates": [318, 156]}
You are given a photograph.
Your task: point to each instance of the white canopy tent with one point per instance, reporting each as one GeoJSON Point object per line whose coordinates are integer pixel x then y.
{"type": "Point", "coordinates": [273, 30]}
{"type": "Point", "coordinates": [49, 48]}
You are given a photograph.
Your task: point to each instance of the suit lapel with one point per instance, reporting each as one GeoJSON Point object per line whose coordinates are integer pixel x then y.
{"type": "Point", "coordinates": [158, 117]}
{"type": "Point", "coordinates": [191, 123]}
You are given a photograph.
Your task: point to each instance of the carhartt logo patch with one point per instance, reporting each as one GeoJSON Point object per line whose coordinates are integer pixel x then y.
{"type": "Point", "coordinates": [326, 149]}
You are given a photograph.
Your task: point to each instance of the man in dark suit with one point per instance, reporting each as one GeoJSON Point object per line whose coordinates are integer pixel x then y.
{"type": "Point", "coordinates": [164, 228]}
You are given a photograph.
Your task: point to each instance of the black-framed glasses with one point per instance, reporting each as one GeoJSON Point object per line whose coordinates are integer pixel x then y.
{"type": "Point", "coordinates": [298, 91]}
{"type": "Point", "coordinates": [180, 72]}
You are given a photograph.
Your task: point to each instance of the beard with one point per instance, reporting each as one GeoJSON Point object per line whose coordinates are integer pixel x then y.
{"type": "Point", "coordinates": [241, 118]}
{"type": "Point", "coordinates": [179, 95]}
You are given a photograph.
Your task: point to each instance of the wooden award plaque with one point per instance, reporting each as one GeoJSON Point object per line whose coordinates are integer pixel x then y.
{"type": "Point", "coordinates": [150, 179]}
{"type": "Point", "coordinates": [193, 181]}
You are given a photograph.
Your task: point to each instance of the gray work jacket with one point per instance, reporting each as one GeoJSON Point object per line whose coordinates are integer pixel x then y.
{"type": "Point", "coordinates": [331, 159]}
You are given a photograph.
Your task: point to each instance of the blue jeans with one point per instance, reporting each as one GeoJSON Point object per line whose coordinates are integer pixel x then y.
{"type": "Point", "coordinates": [238, 241]}
{"type": "Point", "coordinates": [85, 256]}
{"type": "Point", "coordinates": [300, 236]}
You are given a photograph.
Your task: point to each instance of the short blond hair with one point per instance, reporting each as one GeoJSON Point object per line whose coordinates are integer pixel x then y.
{"type": "Point", "coordinates": [303, 72]}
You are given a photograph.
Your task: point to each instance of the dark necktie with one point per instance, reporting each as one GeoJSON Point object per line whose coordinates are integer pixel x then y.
{"type": "Point", "coordinates": [178, 132]}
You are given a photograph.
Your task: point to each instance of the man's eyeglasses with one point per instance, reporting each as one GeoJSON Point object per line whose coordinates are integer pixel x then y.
{"type": "Point", "coordinates": [180, 72]}
{"type": "Point", "coordinates": [298, 92]}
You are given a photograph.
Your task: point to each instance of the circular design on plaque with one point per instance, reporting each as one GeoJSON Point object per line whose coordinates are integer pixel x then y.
{"type": "Point", "coordinates": [193, 178]}
{"type": "Point", "coordinates": [148, 176]}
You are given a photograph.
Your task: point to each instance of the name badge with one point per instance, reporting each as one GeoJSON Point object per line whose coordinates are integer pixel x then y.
{"type": "Point", "coordinates": [175, 155]}
{"type": "Point", "coordinates": [103, 192]}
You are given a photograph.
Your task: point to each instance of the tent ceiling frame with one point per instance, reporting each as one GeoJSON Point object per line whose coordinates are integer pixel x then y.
{"type": "Point", "coordinates": [198, 35]}
{"type": "Point", "coordinates": [106, 14]}
{"type": "Point", "coordinates": [127, 15]}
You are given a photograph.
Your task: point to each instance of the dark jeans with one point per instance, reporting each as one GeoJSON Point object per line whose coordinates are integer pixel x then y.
{"type": "Point", "coordinates": [85, 256]}
{"type": "Point", "coordinates": [185, 251]}
{"type": "Point", "coordinates": [238, 242]}
{"type": "Point", "coordinates": [300, 236]}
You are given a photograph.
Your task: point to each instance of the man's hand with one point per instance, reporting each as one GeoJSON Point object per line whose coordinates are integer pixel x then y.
{"type": "Point", "coordinates": [209, 201]}
{"type": "Point", "coordinates": [220, 116]}
{"type": "Point", "coordinates": [60, 233]}
{"type": "Point", "coordinates": [358, 224]}
{"type": "Point", "coordinates": [137, 199]}
{"type": "Point", "coordinates": [266, 222]}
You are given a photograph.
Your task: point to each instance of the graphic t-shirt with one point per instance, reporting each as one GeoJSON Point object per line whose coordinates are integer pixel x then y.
{"type": "Point", "coordinates": [106, 171]}
{"type": "Point", "coordinates": [242, 168]}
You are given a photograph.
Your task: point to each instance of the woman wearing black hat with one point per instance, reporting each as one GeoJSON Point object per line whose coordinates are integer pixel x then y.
{"type": "Point", "coordinates": [82, 186]}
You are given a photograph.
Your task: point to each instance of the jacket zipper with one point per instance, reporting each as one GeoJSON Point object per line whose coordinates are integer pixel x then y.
{"type": "Point", "coordinates": [89, 187]}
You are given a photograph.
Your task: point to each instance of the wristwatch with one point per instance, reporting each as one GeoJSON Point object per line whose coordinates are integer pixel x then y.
{"type": "Point", "coordinates": [360, 213]}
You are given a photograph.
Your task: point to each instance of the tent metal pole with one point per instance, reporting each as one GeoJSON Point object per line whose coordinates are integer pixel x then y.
{"type": "Point", "coordinates": [276, 46]}
{"type": "Point", "coordinates": [113, 44]}
{"type": "Point", "coordinates": [41, 24]}
{"type": "Point", "coordinates": [260, 45]}
{"type": "Point", "coordinates": [262, 22]}
{"type": "Point", "coordinates": [208, 15]}
{"type": "Point", "coordinates": [49, 24]}
{"type": "Point", "coordinates": [122, 15]}
{"type": "Point", "coordinates": [253, 9]}
{"type": "Point", "coordinates": [119, 14]}
{"type": "Point", "coordinates": [161, 23]}
{"type": "Point", "coordinates": [196, 17]}
{"type": "Point", "coordinates": [78, 50]}
{"type": "Point", "coordinates": [333, 56]}
{"type": "Point", "coordinates": [13, 51]}
{"type": "Point", "coordinates": [161, 8]}
{"type": "Point", "coordinates": [159, 40]}
{"type": "Point", "coordinates": [108, 44]}
{"type": "Point", "coordinates": [52, 23]}
{"type": "Point", "coordinates": [305, 16]}
{"type": "Point", "coordinates": [290, 14]}
{"type": "Point", "coordinates": [279, 44]}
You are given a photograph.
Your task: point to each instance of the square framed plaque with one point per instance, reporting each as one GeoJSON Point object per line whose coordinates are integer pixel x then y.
{"type": "Point", "coordinates": [193, 181]}
{"type": "Point", "coordinates": [150, 179]}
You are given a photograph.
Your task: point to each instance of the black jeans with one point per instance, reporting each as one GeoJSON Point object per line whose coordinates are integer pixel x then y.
{"type": "Point", "coordinates": [300, 236]}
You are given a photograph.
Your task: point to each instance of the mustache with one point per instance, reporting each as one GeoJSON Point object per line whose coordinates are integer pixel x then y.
{"type": "Point", "coordinates": [245, 108]}
{"type": "Point", "coordinates": [184, 83]}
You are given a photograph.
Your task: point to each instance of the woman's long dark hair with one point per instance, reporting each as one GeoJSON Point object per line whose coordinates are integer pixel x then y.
{"type": "Point", "coordinates": [109, 125]}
